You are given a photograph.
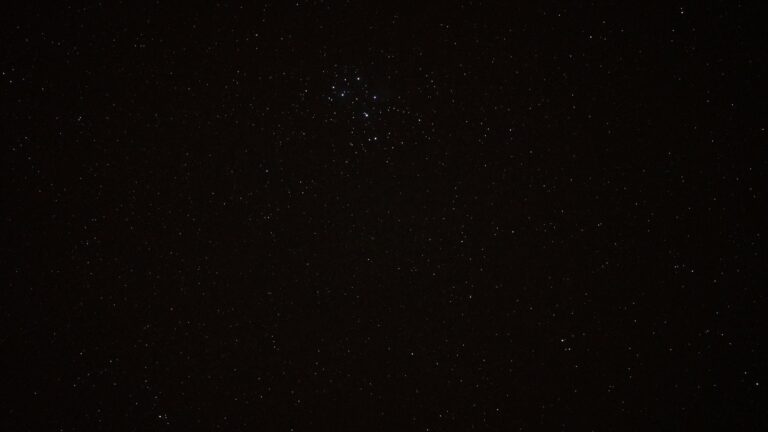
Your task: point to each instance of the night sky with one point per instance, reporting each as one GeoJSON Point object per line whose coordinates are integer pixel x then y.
{"type": "Point", "coordinates": [383, 216]}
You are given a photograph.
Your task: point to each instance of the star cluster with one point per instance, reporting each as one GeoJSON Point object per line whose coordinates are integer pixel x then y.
{"type": "Point", "coordinates": [339, 215]}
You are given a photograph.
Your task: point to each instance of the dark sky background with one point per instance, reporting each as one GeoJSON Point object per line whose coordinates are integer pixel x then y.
{"type": "Point", "coordinates": [355, 216]}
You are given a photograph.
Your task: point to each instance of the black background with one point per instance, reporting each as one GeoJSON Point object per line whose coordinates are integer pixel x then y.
{"type": "Point", "coordinates": [383, 216]}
